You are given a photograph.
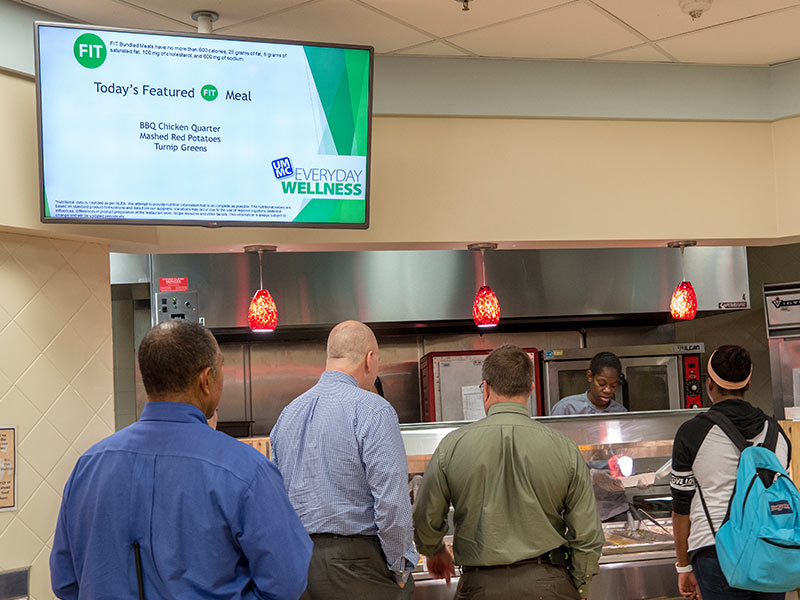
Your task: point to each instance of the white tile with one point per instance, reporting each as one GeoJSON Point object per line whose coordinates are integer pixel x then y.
{"type": "Point", "coordinates": [433, 49]}
{"type": "Point", "coordinates": [42, 383]}
{"type": "Point", "coordinates": [94, 383]}
{"type": "Point", "coordinates": [60, 473]}
{"type": "Point", "coordinates": [332, 21]}
{"type": "Point", "coordinates": [93, 323]}
{"type": "Point", "coordinates": [40, 320]}
{"type": "Point", "coordinates": [659, 19]}
{"type": "Point", "coordinates": [92, 264]}
{"type": "Point", "coordinates": [229, 13]}
{"type": "Point", "coordinates": [28, 481]}
{"type": "Point", "coordinates": [17, 410]}
{"type": "Point", "coordinates": [17, 351]}
{"type": "Point", "coordinates": [40, 576]}
{"type": "Point", "coordinates": [5, 385]}
{"type": "Point", "coordinates": [68, 353]}
{"type": "Point", "coordinates": [41, 511]}
{"type": "Point", "coordinates": [95, 431]}
{"type": "Point", "coordinates": [4, 254]}
{"type": "Point", "coordinates": [67, 292]}
{"type": "Point", "coordinates": [106, 351]}
{"type": "Point", "coordinates": [69, 414]}
{"type": "Point", "coordinates": [106, 412]}
{"type": "Point", "coordinates": [12, 241]}
{"type": "Point", "coordinates": [18, 546]}
{"type": "Point", "coordinates": [446, 18]}
{"type": "Point", "coordinates": [39, 258]}
{"type": "Point", "coordinates": [570, 31]}
{"type": "Point", "coordinates": [43, 447]}
{"type": "Point", "coordinates": [5, 521]}
{"type": "Point", "coordinates": [16, 287]}
{"type": "Point", "coordinates": [770, 39]}
{"type": "Point", "coordinates": [643, 53]}
{"type": "Point", "coordinates": [67, 248]}
{"type": "Point", "coordinates": [5, 318]}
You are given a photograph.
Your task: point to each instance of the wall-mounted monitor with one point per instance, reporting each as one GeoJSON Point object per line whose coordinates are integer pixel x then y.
{"type": "Point", "coordinates": [163, 128]}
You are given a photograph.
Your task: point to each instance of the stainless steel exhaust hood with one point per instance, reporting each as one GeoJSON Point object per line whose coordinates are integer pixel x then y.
{"type": "Point", "coordinates": [321, 288]}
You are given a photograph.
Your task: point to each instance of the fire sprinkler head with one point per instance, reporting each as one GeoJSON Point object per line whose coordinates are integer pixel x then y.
{"type": "Point", "coordinates": [694, 8]}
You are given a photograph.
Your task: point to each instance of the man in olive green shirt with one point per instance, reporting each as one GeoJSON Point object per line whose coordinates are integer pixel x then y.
{"type": "Point", "coordinates": [520, 491]}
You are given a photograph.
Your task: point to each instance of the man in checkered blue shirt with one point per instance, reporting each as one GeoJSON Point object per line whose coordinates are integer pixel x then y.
{"type": "Point", "coordinates": [343, 462]}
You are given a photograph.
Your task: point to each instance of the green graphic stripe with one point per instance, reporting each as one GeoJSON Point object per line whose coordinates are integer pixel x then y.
{"type": "Point", "coordinates": [341, 77]}
{"type": "Point", "coordinates": [46, 205]}
{"type": "Point", "coordinates": [332, 210]}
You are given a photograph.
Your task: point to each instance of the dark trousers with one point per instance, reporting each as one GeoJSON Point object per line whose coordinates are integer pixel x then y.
{"type": "Point", "coordinates": [530, 581]}
{"type": "Point", "coordinates": [714, 586]}
{"type": "Point", "coordinates": [351, 568]}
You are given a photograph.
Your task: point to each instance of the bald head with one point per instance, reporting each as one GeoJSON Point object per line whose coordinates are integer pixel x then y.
{"type": "Point", "coordinates": [353, 349]}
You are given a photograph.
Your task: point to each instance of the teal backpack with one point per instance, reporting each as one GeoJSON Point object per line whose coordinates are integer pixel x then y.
{"type": "Point", "coordinates": [758, 543]}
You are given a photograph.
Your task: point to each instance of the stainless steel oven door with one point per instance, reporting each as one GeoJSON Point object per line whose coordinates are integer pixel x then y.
{"type": "Point", "coordinates": [653, 382]}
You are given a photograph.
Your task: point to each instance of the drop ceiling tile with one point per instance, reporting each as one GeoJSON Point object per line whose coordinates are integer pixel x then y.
{"type": "Point", "coordinates": [18, 545]}
{"type": "Point", "coordinates": [41, 511]}
{"type": "Point", "coordinates": [337, 21]}
{"type": "Point", "coordinates": [42, 383]}
{"type": "Point", "coordinates": [769, 39]}
{"type": "Point", "coordinates": [17, 351]}
{"type": "Point", "coordinates": [95, 431]}
{"type": "Point", "coordinates": [16, 287]}
{"type": "Point", "coordinates": [17, 410]}
{"type": "Point", "coordinates": [69, 414]}
{"type": "Point", "coordinates": [57, 478]}
{"type": "Point", "coordinates": [39, 258]}
{"type": "Point", "coordinates": [66, 292]}
{"type": "Point", "coordinates": [433, 49]}
{"type": "Point", "coordinates": [67, 352]}
{"type": "Point", "coordinates": [43, 447]}
{"type": "Point", "coordinates": [445, 18]}
{"type": "Point", "coordinates": [94, 383]}
{"type": "Point", "coordinates": [229, 13]}
{"type": "Point", "coordinates": [113, 14]}
{"type": "Point", "coordinates": [643, 53]}
{"type": "Point", "coordinates": [657, 19]}
{"type": "Point", "coordinates": [571, 31]}
{"type": "Point", "coordinates": [41, 320]}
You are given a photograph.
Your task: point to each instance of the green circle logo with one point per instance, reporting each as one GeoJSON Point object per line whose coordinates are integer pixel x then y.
{"type": "Point", "coordinates": [208, 92]}
{"type": "Point", "coordinates": [90, 51]}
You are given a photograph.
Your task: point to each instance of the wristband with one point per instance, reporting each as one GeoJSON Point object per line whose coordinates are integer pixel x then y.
{"type": "Point", "coordinates": [686, 569]}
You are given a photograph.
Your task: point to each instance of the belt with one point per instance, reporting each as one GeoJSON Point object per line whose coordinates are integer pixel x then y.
{"type": "Point", "coordinates": [544, 559]}
{"type": "Point", "coordinates": [338, 536]}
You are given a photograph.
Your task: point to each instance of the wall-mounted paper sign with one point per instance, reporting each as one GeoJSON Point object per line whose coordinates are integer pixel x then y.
{"type": "Point", "coordinates": [8, 468]}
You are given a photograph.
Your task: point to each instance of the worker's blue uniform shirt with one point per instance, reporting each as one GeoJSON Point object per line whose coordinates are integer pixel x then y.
{"type": "Point", "coordinates": [210, 513]}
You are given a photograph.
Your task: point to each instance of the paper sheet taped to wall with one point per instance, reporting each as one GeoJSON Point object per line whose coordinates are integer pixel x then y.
{"type": "Point", "coordinates": [472, 402]}
{"type": "Point", "coordinates": [8, 468]}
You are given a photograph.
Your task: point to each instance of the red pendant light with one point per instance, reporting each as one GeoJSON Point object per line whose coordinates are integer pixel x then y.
{"type": "Point", "coordinates": [485, 308]}
{"type": "Point", "coordinates": [683, 304]}
{"type": "Point", "coordinates": [262, 315]}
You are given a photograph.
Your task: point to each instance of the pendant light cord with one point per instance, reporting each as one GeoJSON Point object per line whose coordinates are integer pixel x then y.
{"type": "Point", "coordinates": [261, 270]}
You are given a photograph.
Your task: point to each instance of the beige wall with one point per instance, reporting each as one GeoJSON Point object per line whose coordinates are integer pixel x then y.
{"type": "Point", "coordinates": [443, 182]}
{"type": "Point", "coordinates": [56, 381]}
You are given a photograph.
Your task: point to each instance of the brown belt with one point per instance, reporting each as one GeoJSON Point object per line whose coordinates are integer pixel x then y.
{"type": "Point", "coordinates": [544, 559]}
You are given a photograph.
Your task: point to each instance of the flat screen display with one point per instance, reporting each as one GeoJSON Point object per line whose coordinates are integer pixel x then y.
{"type": "Point", "coordinates": [162, 128]}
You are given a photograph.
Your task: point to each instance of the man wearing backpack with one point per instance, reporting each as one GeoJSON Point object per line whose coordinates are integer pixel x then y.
{"type": "Point", "coordinates": [705, 462]}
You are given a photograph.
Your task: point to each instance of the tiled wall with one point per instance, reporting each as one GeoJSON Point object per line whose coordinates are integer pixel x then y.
{"type": "Point", "coordinates": [56, 381]}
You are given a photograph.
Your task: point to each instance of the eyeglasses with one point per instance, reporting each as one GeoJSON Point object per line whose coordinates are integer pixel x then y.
{"type": "Point", "coordinates": [481, 386]}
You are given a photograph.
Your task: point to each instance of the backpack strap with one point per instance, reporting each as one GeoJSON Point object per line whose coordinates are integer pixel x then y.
{"type": "Point", "coordinates": [771, 439]}
{"type": "Point", "coordinates": [708, 515]}
{"type": "Point", "coordinates": [729, 429]}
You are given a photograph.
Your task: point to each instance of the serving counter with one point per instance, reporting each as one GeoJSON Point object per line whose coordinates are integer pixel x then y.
{"type": "Point", "coordinates": [638, 557]}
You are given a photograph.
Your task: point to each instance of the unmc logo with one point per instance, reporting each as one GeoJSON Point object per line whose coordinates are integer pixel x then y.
{"type": "Point", "coordinates": [90, 51]}
{"type": "Point", "coordinates": [282, 167]}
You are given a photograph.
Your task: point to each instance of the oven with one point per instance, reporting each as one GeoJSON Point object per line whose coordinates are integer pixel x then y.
{"type": "Point", "coordinates": [656, 377]}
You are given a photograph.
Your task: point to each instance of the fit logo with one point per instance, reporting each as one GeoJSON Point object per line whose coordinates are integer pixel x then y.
{"type": "Point", "coordinates": [209, 92]}
{"type": "Point", "coordinates": [90, 51]}
{"type": "Point", "coordinates": [282, 167]}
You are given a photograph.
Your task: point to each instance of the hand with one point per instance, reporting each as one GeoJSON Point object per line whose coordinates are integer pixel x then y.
{"type": "Point", "coordinates": [687, 586]}
{"type": "Point", "coordinates": [402, 584]}
{"type": "Point", "coordinates": [605, 481]}
{"type": "Point", "coordinates": [440, 566]}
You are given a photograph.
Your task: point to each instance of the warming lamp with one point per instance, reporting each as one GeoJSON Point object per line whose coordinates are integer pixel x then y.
{"type": "Point", "coordinates": [262, 315]}
{"type": "Point", "coordinates": [485, 308]}
{"type": "Point", "coordinates": [683, 304]}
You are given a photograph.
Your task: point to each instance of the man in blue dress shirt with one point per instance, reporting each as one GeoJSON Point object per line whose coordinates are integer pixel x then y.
{"type": "Point", "coordinates": [344, 465]}
{"type": "Point", "coordinates": [170, 508]}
